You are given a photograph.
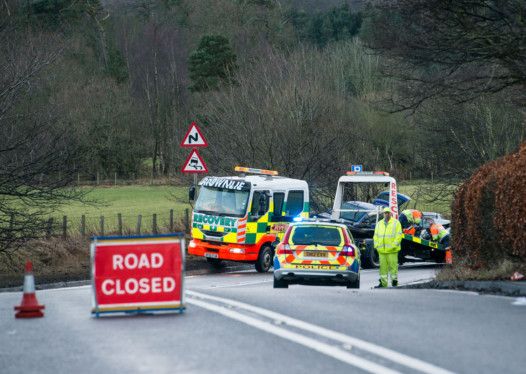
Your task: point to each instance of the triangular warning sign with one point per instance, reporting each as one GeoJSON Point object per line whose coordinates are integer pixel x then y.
{"type": "Point", "coordinates": [194, 137]}
{"type": "Point", "coordinates": [194, 163]}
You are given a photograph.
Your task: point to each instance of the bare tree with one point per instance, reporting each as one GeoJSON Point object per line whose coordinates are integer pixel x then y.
{"type": "Point", "coordinates": [36, 158]}
{"type": "Point", "coordinates": [297, 113]}
{"type": "Point", "coordinates": [458, 49]}
{"type": "Point", "coordinates": [156, 54]}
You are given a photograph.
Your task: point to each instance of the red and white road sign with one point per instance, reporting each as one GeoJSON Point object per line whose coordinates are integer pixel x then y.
{"type": "Point", "coordinates": [194, 137]}
{"type": "Point", "coordinates": [137, 274]}
{"type": "Point", "coordinates": [194, 163]}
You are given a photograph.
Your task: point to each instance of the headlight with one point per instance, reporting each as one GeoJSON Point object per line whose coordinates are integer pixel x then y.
{"type": "Point", "coordinates": [192, 244]}
{"type": "Point", "coordinates": [237, 250]}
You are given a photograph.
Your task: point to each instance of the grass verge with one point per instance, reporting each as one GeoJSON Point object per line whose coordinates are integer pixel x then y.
{"type": "Point", "coordinates": [459, 270]}
{"type": "Point", "coordinates": [64, 260]}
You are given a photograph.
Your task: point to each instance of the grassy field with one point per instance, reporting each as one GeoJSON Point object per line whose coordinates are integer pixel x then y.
{"type": "Point", "coordinates": [130, 202]}
{"type": "Point", "coordinates": [428, 197]}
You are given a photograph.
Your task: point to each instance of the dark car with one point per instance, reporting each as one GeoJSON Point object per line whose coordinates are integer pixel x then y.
{"type": "Point", "coordinates": [361, 217]}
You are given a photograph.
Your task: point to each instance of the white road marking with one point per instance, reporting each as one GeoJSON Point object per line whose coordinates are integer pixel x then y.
{"type": "Point", "coordinates": [469, 293]}
{"type": "Point", "coordinates": [239, 284]}
{"type": "Point", "coordinates": [386, 353]}
{"type": "Point", "coordinates": [323, 348]}
{"type": "Point", "coordinates": [520, 301]}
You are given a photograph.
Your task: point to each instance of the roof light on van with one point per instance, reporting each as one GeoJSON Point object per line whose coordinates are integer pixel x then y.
{"type": "Point", "coordinates": [367, 173]}
{"type": "Point", "coordinates": [297, 219]}
{"type": "Point", "coordinates": [243, 169]}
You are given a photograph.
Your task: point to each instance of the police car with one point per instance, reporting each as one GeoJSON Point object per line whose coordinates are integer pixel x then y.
{"type": "Point", "coordinates": [317, 252]}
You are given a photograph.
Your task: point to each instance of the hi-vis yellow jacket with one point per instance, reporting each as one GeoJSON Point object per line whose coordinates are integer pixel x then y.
{"type": "Point", "coordinates": [387, 237]}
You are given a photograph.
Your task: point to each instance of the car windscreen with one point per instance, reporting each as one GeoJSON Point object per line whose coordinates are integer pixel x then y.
{"type": "Point", "coordinates": [316, 235]}
{"type": "Point", "coordinates": [354, 212]}
{"type": "Point", "coordinates": [222, 201]}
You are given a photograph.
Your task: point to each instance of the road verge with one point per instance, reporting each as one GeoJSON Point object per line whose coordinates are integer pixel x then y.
{"type": "Point", "coordinates": [200, 269]}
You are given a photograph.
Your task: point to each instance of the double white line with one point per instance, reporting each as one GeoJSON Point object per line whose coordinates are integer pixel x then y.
{"type": "Point", "coordinates": [333, 351]}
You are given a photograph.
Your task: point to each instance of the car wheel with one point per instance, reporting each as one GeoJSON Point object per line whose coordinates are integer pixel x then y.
{"type": "Point", "coordinates": [264, 260]}
{"type": "Point", "coordinates": [215, 263]}
{"type": "Point", "coordinates": [371, 259]}
{"type": "Point", "coordinates": [280, 283]}
{"type": "Point", "coordinates": [354, 284]}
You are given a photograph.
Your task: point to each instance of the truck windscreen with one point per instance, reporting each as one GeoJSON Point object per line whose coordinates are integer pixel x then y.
{"type": "Point", "coordinates": [222, 201]}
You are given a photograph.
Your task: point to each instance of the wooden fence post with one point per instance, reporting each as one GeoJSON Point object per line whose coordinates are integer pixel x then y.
{"type": "Point", "coordinates": [171, 220]}
{"type": "Point", "coordinates": [138, 230]}
{"type": "Point", "coordinates": [83, 225]}
{"type": "Point", "coordinates": [49, 229]}
{"type": "Point", "coordinates": [119, 223]}
{"type": "Point", "coordinates": [64, 227]}
{"type": "Point", "coordinates": [115, 179]}
{"type": "Point", "coordinates": [154, 223]}
{"type": "Point", "coordinates": [101, 225]}
{"type": "Point", "coordinates": [187, 220]}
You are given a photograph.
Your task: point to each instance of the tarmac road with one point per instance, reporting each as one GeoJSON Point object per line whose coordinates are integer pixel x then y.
{"type": "Point", "coordinates": [237, 323]}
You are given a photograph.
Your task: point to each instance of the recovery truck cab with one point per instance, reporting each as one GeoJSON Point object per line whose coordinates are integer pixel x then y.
{"type": "Point", "coordinates": [355, 205]}
{"type": "Point", "coordinates": [241, 218]}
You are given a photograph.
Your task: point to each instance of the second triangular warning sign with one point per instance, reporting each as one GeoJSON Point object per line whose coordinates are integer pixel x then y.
{"type": "Point", "coordinates": [194, 137]}
{"type": "Point", "coordinates": [194, 163]}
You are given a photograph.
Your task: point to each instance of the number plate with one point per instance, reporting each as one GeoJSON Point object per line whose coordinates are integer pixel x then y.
{"type": "Point", "coordinates": [211, 255]}
{"type": "Point", "coordinates": [315, 254]}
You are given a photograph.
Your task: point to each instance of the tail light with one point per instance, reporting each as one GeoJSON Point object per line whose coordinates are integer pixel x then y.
{"type": "Point", "coordinates": [348, 248]}
{"type": "Point", "coordinates": [287, 236]}
{"type": "Point", "coordinates": [348, 251]}
{"type": "Point", "coordinates": [283, 249]}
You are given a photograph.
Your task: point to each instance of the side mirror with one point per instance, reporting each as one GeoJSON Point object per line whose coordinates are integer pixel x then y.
{"type": "Point", "coordinates": [191, 193]}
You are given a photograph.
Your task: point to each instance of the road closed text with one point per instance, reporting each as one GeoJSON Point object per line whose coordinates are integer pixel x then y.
{"type": "Point", "coordinates": [143, 285]}
{"type": "Point", "coordinates": [137, 274]}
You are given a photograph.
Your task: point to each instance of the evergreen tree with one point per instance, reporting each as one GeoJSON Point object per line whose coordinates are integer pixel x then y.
{"type": "Point", "coordinates": [211, 63]}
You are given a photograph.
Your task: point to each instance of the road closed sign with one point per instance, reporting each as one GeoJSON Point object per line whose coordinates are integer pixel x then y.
{"type": "Point", "coordinates": [142, 274]}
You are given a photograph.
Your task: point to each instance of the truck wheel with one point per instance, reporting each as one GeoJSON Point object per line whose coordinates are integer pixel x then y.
{"type": "Point", "coordinates": [371, 259]}
{"type": "Point", "coordinates": [280, 283]}
{"type": "Point", "coordinates": [354, 284]}
{"type": "Point", "coordinates": [264, 259]}
{"type": "Point", "coordinates": [215, 263]}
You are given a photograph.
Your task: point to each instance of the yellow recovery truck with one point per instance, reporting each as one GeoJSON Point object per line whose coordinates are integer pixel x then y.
{"type": "Point", "coordinates": [242, 217]}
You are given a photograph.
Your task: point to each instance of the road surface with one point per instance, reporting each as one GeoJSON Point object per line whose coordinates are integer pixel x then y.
{"type": "Point", "coordinates": [237, 323]}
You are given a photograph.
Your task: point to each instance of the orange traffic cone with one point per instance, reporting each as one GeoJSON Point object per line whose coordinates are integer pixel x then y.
{"type": "Point", "coordinates": [449, 257]}
{"type": "Point", "coordinates": [29, 307]}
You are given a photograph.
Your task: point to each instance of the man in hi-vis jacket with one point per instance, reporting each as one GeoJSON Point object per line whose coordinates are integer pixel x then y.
{"type": "Point", "coordinates": [387, 238]}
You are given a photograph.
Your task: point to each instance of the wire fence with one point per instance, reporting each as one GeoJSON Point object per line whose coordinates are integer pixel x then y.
{"type": "Point", "coordinates": [119, 224]}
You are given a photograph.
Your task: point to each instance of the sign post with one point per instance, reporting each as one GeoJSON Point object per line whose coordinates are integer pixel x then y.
{"type": "Point", "coordinates": [194, 164]}
{"type": "Point", "coordinates": [194, 137]}
{"type": "Point", "coordinates": [138, 274]}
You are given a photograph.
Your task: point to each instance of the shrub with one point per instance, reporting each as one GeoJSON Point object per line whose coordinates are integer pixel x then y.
{"type": "Point", "coordinates": [489, 213]}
